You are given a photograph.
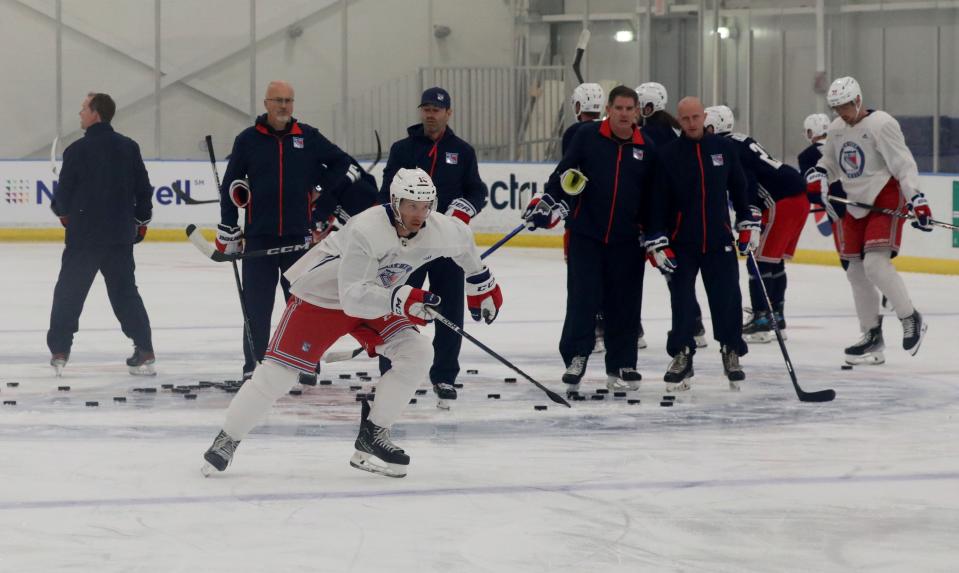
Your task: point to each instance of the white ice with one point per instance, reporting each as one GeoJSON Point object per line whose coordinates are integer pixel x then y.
{"type": "Point", "coordinates": [723, 481]}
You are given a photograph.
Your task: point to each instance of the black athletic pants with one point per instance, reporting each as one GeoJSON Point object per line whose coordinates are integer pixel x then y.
{"type": "Point", "coordinates": [78, 268]}
{"type": "Point", "coordinates": [260, 277]}
{"type": "Point", "coordinates": [607, 279]}
{"type": "Point", "coordinates": [720, 271]}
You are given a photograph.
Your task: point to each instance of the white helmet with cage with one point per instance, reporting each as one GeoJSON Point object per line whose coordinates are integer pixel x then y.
{"type": "Point", "coordinates": [651, 93]}
{"type": "Point", "coordinates": [815, 125]}
{"type": "Point", "coordinates": [590, 98]}
{"type": "Point", "coordinates": [414, 185]}
{"type": "Point", "coordinates": [842, 91]}
{"type": "Point", "coordinates": [721, 118]}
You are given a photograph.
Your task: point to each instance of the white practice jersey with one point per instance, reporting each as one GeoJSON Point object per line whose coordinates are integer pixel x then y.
{"type": "Point", "coordinates": [864, 156]}
{"type": "Point", "coordinates": [358, 268]}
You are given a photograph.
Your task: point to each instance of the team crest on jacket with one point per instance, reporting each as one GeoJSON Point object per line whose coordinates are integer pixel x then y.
{"type": "Point", "coordinates": [452, 158]}
{"type": "Point", "coordinates": [852, 159]}
{"type": "Point", "coordinates": [390, 275]}
{"type": "Point", "coordinates": [638, 154]}
{"type": "Point", "coordinates": [717, 160]}
{"type": "Point", "coordinates": [298, 142]}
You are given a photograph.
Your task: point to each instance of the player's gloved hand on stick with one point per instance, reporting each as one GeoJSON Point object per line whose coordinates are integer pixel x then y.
{"type": "Point", "coordinates": [462, 210]}
{"type": "Point", "coordinates": [920, 208]}
{"type": "Point", "coordinates": [660, 255]}
{"type": "Point", "coordinates": [818, 186]}
{"type": "Point", "coordinates": [141, 230]}
{"type": "Point", "coordinates": [544, 212]}
{"type": "Point", "coordinates": [229, 239]}
{"type": "Point", "coordinates": [413, 303]}
{"type": "Point", "coordinates": [483, 296]}
{"type": "Point", "coordinates": [749, 232]}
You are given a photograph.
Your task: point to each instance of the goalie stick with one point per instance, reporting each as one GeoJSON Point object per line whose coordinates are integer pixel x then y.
{"type": "Point", "coordinates": [580, 50]}
{"type": "Point", "coordinates": [891, 212]}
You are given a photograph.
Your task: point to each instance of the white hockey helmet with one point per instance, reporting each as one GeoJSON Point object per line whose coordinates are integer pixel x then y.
{"type": "Point", "coordinates": [721, 118]}
{"type": "Point", "coordinates": [651, 93]}
{"type": "Point", "coordinates": [412, 184]}
{"type": "Point", "coordinates": [590, 98]}
{"type": "Point", "coordinates": [842, 91]}
{"type": "Point", "coordinates": [815, 125]}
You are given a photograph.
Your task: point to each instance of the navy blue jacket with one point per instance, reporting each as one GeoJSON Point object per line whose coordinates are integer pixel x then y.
{"type": "Point", "coordinates": [696, 180]}
{"type": "Point", "coordinates": [282, 167]}
{"type": "Point", "coordinates": [104, 189]}
{"type": "Point", "coordinates": [768, 178]}
{"type": "Point", "coordinates": [450, 162]}
{"type": "Point", "coordinates": [660, 132]}
{"type": "Point", "coordinates": [620, 174]}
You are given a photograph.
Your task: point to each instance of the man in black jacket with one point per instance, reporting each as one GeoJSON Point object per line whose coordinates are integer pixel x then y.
{"type": "Point", "coordinates": [451, 163]}
{"type": "Point", "coordinates": [698, 175]}
{"type": "Point", "coordinates": [104, 200]}
{"type": "Point", "coordinates": [609, 168]}
{"type": "Point", "coordinates": [273, 169]}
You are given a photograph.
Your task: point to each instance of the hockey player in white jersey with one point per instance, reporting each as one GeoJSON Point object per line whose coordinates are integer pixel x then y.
{"type": "Point", "coordinates": [866, 151]}
{"type": "Point", "coordinates": [354, 282]}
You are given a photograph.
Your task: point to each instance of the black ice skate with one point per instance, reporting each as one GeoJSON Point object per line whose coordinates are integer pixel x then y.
{"type": "Point", "coordinates": [574, 373]}
{"type": "Point", "coordinates": [445, 393]}
{"type": "Point", "coordinates": [626, 379]}
{"type": "Point", "coordinates": [375, 453]}
{"type": "Point", "coordinates": [869, 348]}
{"type": "Point", "coordinates": [731, 368]}
{"type": "Point", "coordinates": [59, 361]}
{"type": "Point", "coordinates": [680, 371]}
{"type": "Point", "coordinates": [759, 329]}
{"type": "Point", "coordinates": [220, 454]}
{"type": "Point", "coordinates": [913, 331]}
{"type": "Point", "coordinates": [141, 363]}
{"type": "Point", "coordinates": [700, 335]}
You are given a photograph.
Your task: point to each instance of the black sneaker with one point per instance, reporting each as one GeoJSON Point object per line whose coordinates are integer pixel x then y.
{"type": "Point", "coordinates": [444, 394]}
{"type": "Point", "coordinates": [220, 454]}
{"type": "Point", "coordinates": [680, 371]}
{"type": "Point", "coordinates": [375, 451]}
{"type": "Point", "coordinates": [577, 368]}
{"type": "Point", "coordinates": [141, 362]}
{"type": "Point", "coordinates": [913, 331]}
{"type": "Point", "coordinates": [732, 369]}
{"type": "Point", "coordinates": [869, 348]}
{"type": "Point", "coordinates": [759, 328]}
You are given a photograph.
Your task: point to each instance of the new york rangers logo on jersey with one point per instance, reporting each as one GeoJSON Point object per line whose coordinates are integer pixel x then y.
{"type": "Point", "coordinates": [852, 159]}
{"type": "Point", "coordinates": [452, 158]}
{"type": "Point", "coordinates": [390, 275]}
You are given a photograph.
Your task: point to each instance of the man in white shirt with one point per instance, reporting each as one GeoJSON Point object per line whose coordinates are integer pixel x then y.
{"type": "Point", "coordinates": [354, 282]}
{"type": "Point", "coordinates": [866, 151]}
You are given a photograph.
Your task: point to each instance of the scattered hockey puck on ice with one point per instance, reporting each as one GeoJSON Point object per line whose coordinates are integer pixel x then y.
{"type": "Point", "coordinates": [668, 397]}
{"type": "Point", "coordinates": [572, 394]}
{"type": "Point", "coordinates": [619, 394]}
{"type": "Point", "coordinates": [579, 398]}
{"type": "Point", "coordinates": [149, 390]}
{"type": "Point", "coordinates": [326, 382]}
{"type": "Point", "coordinates": [539, 407]}
{"type": "Point", "coordinates": [509, 380]}
{"type": "Point", "coordinates": [307, 380]}
{"type": "Point", "coordinates": [12, 384]}
{"type": "Point", "coordinates": [205, 384]}
{"type": "Point", "coordinates": [421, 392]}
{"type": "Point", "coordinates": [119, 398]}
{"type": "Point", "coordinates": [295, 392]}
{"type": "Point", "coordinates": [597, 396]}
{"type": "Point", "coordinates": [472, 371]}
{"type": "Point", "coordinates": [345, 376]}
{"type": "Point", "coordinates": [457, 385]}
{"type": "Point", "coordinates": [632, 402]}
{"type": "Point", "coordinates": [93, 404]}
{"type": "Point", "coordinates": [166, 386]}
{"type": "Point", "coordinates": [846, 366]}
{"type": "Point", "coordinates": [362, 373]}
{"type": "Point", "coordinates": [231, 390]}
{"type": "Point", "coordinates": [493, 396]}
{"type": "Point", "coordinates": [9, 402]}
{"type": "Point", "coordinates": [602, 391]}
{"type": "Point", "coordinates": [63, 388]}
{"type": "Point", "coordinates": [190, 396]}
{"type": "Point", "coordinates": [365, 379]}
{"type": "Point", "coordinates": [412, 400]}
{"type": "Point", "coordinates": [355, 388]}
{"type": "Point", "coordinates": [183, 390]}
{"type": "Point", "coordinates": [666, 403]}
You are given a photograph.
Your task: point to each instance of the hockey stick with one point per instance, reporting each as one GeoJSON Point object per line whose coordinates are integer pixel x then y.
{"type": "Point", "coordinates": [817, 396]}
{"type": "Point", "coordinates": [452, 326]}
{"type": "Point", "coordinates": [580, 50]}
{"type": "Point", "coordinates": [236, 270]}
{"type": "Point", "coordinates": [503, 241]}
{"type": "Point", "coordinates": [53, 156]}
{"type": "Point", "coordinates": [190, 200]}
{"type": "Point", "coordinates": [209, 251]}
{"type": "Point", "coordinates": [892, 212]}
{"type": "Point", "coordinates": [379, 151]}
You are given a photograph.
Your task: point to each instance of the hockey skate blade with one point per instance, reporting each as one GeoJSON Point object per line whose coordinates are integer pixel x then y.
{"type": "Point", "coordinates": [761, 337]}
{"type": "Point", "coordinates": [680, 386]}
{"type": "Point", "coordinates": [700, 341]}
{"type": "Point", "coordinates": [207, 470]}
{"type": "Point", "coordinates": [641, 343]}
{"type": "Point", "coordinates": [871, 359]}
{"type": "Point", "coordinates": [922, 334]}
{"type": "Point", "coordinates": [374, 465]}
{"type": "Point", "coordinates": [735, 385]}
{"type": "Point", "coordinates": [617, 385]}
{"type": "Point", "coordinates": [443, 404]}
{"type": "Point", "coordinates": [143, 370]}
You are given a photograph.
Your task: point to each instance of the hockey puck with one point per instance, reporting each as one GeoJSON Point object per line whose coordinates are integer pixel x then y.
{"type": "Point", "coordinates": [326, 382]}
{"type": "Point", "coordinates": [539, 407]}
{"type": "Point", "coordinates": [602, 391]}
{"type": "Point", "coordinates": [666, 403]}
{"type": "Point", "coordinates": [166, 386]}
{"type": "Point", "coordinates": [846, 366]}
{"type": "Point", "coordinates": [93, 404]}
{"type": "Point", "coordinates": [493, 396]}
{"type": "Point", "coordinates": [190, 396]}
{"type": "Point", "coordinates": [457, 385]}
{"type": "Point", "coordinates": [307, 380]}
{"type": "Point", "coordinates": [204, 384]}
{"type": "Point", "coordinates": [668, 397]}
{"type": "Point", "coordinates": [579, 398]}
{"type": "Point", "coordinates": [148, 390]}
{"type": "Point", "coordinates": [355, 388]}
{"type": "Point", "coordinates": [632, 402]}
{"type": "Point", "coordinates": [12, 384]}
{"type": "Point", "coordinates": [472, 371]}
{"type": "Point", "coordinates": [509, 380]}
{"type": "Point", "coordinates": [9, 402]}
{"type": "Point", "coordinates": [187, 390]}
{"type": "Point", "coordinates": [296, 392]}
{"type": "Point", "coordinates": [63, 388]}
{"type": "Point", "coordinates": [412, 400]}
{"type": "Point", "coordinates": [119, 398]}
{"type": "Point", "coordinates": [345, 376]}
{"type": "Point", "coordinates": [421, 392]}
{"type": "Point", "coordinates": [597, 397]}
{"type": "Point", "coordinates": [231, 390]}
{"type": "Point", "coordinates": [572, 394]}
{"type": "Point", "coordinates": [365, 379]}
{"type": "Point", "coordinates": [362, 374]}
{"type": "Point", "coordinates": [619, 394]}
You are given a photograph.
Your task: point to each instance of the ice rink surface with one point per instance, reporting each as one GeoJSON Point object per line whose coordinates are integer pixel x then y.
{"type": "Point", "coordinates": [722, 481]}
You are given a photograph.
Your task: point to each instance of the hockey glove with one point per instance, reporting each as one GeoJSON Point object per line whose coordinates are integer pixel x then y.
{"type": "Point", "coordinates": [920, 208]}
{"type": "Point", "coordinates": [240, 193]}
{"type": "Point", "coordinates": [462, 210]}
{"type": "Point", "coordinates": [141, 230]}
{"type": "Point", "coordinates": [544, 212]}
{"type": "Point", "coordinates": [749, 232]}
{"type": "Point", "coordinates": [483, 296]}
{"type": "Point", "coordinates": [229, 240]}
{"type": "Point", "coordinates": [412, 303]}
{"type": "Point", "coordinates": [817, 188]}
{"type": "Point", "coordinates": [660, 255]}
{"type": "Point", "coordinates": [572, 181]}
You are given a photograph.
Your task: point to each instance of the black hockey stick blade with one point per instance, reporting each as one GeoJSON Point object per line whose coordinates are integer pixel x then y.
{"type": "Point", "coordinates": [187, 199]}
{"type": "Point", "coordinates": [379, 151]}
{"type": "Point", "coordinates": [580, 50]}
{"type": "Point", "coordinates": [452, 326]}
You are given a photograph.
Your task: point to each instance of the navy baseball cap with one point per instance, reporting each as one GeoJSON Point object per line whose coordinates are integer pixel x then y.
{"type": "Point", "coordinates": [435, 96]}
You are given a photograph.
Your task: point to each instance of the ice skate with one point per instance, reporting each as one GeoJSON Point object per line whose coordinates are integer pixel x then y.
{"type": "Point", "coordinates": [680, 372]}
{"type": "Point", "coordinates": [574, 373]}
{"type": "Point", "coordinates": [220, 454]}
{"type": "Point", "coordinates": [626, 379]}
{"type": "Point", "coordinates": [869, 348]}
{"type": "Point", "coordinates": [375, 452]}
{"type": "Point", "coordinates": [59, 361]}
{"type": "Point", "coordinates": [759, 329]}
{"type": "Point", "coordinates": [731, 368]}
{"type": "Point", "coordinates": [700, 335]}
{"type": "Point", "coordinates": [445, 394]}
{"type": "Point", "coordinates": [141, 363]}
{"type": "Point", "coordinates": [913, 331]}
